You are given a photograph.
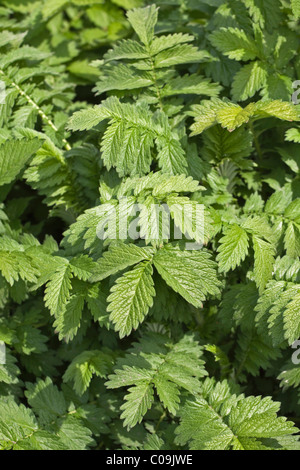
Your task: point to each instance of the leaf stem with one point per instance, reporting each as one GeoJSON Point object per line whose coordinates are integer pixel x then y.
{"type": "Point", "coordinates": [155, 81]}
{"type": "Point", "coordinates": [256, 141]}
{"type": "Point", "coordinates": [39, 110]}
{"type": "Point", "coordinates": [160, 420]}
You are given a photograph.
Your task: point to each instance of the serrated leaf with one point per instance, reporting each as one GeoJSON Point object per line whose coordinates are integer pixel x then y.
{"type": "Point", "coordinates": [131, 298]}
{"type": "Point", "coordinates": [296, 8]}
{"type": "Point", "coordinates": [143, 21]}
{"type": "Point", "coordinates": [58, 289]}
{"type": "Point", "coordinates": [68, 320]}
{"type": "Point", "coordinates": [190, 273]}
{"type": "Point", "coordinates": [264, 255]}
{"type": "Point", "coordinates": [84, 366]}
{"type": "Point", "coordinates": [152, 363]}
{"type": "Point", "coordinates": [218, 420]}
{"type": "Point", "coordinates": [234, 43]}
{"type": "Point", "coordinates": [232, 116]}
{"type": "Point", "coordinates": [13, 157]}
{"type": "Point", "coordinates": [46, 400]}
{"type": "Point", "coordinates": [82, 267]}
{"type": "Point", "coordinates": [249, 80]}
{"type": "Point", "coordinates": [119, 257]}
{"type": "Point", "coordinates": [233, 248]}
{"type": "Point", "coordinates": [292, 320]}
{"type": "Point", "coordinates": [171, 156]}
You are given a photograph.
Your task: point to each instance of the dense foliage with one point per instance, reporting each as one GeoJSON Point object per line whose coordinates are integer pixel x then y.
{"type": "Point", "coordinates": [142, 343]}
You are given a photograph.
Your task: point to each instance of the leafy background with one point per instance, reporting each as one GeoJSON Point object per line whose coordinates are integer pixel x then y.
{"type": "Point", "coordinates": [142, 344]}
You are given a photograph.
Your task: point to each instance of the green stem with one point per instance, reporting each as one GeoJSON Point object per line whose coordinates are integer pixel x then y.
{"type": "Point", "coordinates": [256, 141]}
{"type": "Point", "coordinates": [39, 110]}
{"type": "Point", "coordinates": [155, 81]}
{"type": "Point", "coordinates": [160, 420]}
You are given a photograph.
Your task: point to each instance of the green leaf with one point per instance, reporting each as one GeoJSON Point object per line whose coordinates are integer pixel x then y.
{"type": "Point", "coordinates": [233, 249]}
{"type": "Point", "coordinates": [9, 371]}
{"type": "Point", "coordinates": [232, 116]}
{"type": "Point", "coordinates": [235, 44]}
{"type": "Point", "coordinates": [293, 135]}
{"type": "Point", "coordinates": [13, 157]}
{"type": "Point", "coordinates": [296, 8]}
{"type": "Point", "coordinates": [73, 434]}
{"type": "Point", "coordinates": [191, 84]}
{"type": "Point", "coordinates": [131, 298]}
{"type": "Point", "coordinates": [163, 42]}
{"type": "Point", "coordinates": [249, 80]}
{"type": "Point", "coordinates": [123, 78]}
{"type": "Point", "coordinates": [58, 289]}
{"type": "Point", "coordinates": [119, 257]}
{"type": "Point", "coordinates": [138, 401]}
{"type": "Point", "coordinates": [68, 320]}
{"type": "Point", "coordinates": [190, 273]}
{"type": "Point", "coordinates": [88, 118]}
{"type": "Point", "coordinates": [82, 267]}
{"type": "Point", "coordinates": [189, 218]}
{"type": "Point", "coordinates": [264, 255]}
{"type": "Point", "coordinates": [216, 419]}
{"type": "Point", "coordinates": [292, 240]}
{"type": "Point", "coordinates": [17, 265]}
{"type": "Point", "coordinates": [84, 366]}
{"type": "Point", "coordinates": [16, 423]}
{"type": "Point", "coordinates": [143, 21]}
{"type": "Point", "coordinates": [171, 156]}
{"type": "Point", "coordinates": [277, 108]}
{"type": "Point", "coordinates": [264, 12]}
{"type": "Point", "coordinates": [292, 320]}
{"type": "Point", "coordinates": [126, 49]}
{"type": "Point", "coordinates": [181, 54]}
{"type": "Point", "coordinates": [156, 364]}
{"type": "Point", "coordinates": [46, 400]}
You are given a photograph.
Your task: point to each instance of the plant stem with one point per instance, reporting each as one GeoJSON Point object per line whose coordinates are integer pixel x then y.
{"type": "Point", "coordinates": [256, 141]}
{"type": "Point", "coordinates": [160, 420]}
{"type": "Point", "coordinates": [39, 110]}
